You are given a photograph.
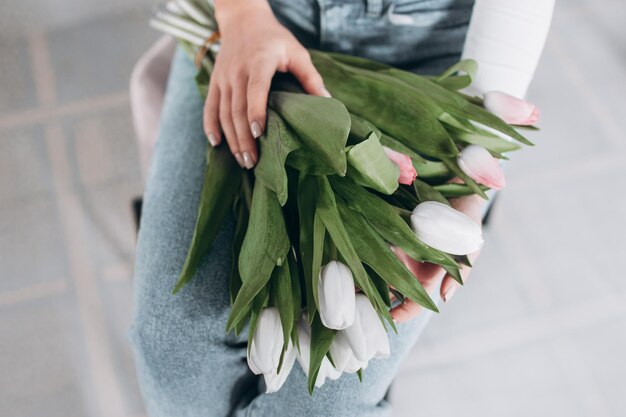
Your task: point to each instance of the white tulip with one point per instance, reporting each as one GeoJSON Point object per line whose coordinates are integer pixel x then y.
{"type": "Point", "coordinates": [275, 380]}
{"type": "Point", "coordinates": [267, 342]}
{"type": "Point", "coordinates": [446, 229]}
{"type": "Point", "coordinates": [356, 337]}
{"type": "Point", "coordinates": [336, 296]}
{"type": "Point", "coordinates": [367, 338]}
{"type": "Point", "coordinates": [304, 356]}
{"type": "Point", "coordinates": [375, 333]}
{"type": "Point", "coordinates": [343, 356]}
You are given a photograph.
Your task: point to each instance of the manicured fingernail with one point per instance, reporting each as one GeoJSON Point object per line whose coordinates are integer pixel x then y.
{"type": "Point", "coordinates": [239, 159]}
{"type": "Point", "coordinates": [248, 161]}
{"type": "Point", "coordinates": [324, 92]}
{"type": "Point", "coordinates": [447, 296]}
{"type": "Point", "coordinates": [395, 321]}
{"type": "Point", "coordinates": [256, 130]}
{"type": "Point", "coordinates": [212, 139]}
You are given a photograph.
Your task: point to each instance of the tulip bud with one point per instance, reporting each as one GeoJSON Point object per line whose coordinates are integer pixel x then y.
{"type": "Point", "coordinates": [375, 333]}
{"type": "Point", "coordinates": [355, 337]}
{"type": "Point", "coordinates": [480, 166]}
{"type": "Point", "coordinates": [367, 337]}
{"type": "Point", "coordinates": [267, 342]}
{"type": "Point", "coordinates": [335, 291]}
{"type": "Point", "coordinates": [304, 356]}
{"type": "Point", "coordinates": [446, 229]}
{"type": "Point", "coordinates": [407, 170]}
{"type": "Point", "coordinates": [511, 109]}
{"type": "Point", "coordinates": [343, 356]}
{"type": "Point", "coordinates": [275, 380]}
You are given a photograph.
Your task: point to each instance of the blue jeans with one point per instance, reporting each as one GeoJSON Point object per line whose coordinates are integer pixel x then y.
{"type": "Point", "coordinates": [187, 365]}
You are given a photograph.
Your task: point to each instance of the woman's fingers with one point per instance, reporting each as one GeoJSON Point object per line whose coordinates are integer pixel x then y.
{"type": "Point", "coordinates": [226, 122]}
{"type": "Point", "coordinates": [259, 85]}
{"type": "Point", "coordinates": [211, 117]}
{"type": "Point", "coordinates": [405, 311]}
{"type": "Point", "coordinates": [449, 284]}
{"type": "Point", "coordinates": [247, 147]}
{"type": "Point", "coordinates": [429, 275]}
{"type": "Point", "coordinates": [303, 69]}
{"type": "Point", "coordinates": [236, 107]}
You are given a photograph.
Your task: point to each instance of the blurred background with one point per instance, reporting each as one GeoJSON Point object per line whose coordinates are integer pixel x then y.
{"type": "Point", "coordinates": [540, 329]}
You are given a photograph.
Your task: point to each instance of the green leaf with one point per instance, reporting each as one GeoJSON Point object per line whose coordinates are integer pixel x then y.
{"type": "Point", "coordinates": [360, 128]}
{"type": "Point", "coordinates": [296, 293]}
{"type": "Point", "coordinates": [322, 125]}
{"type": "Point", "coordinates": [456, 104]}
{"type": "Point", "coordinates": [277, 142]}
{"type": "Point", "coordinates": [321, 339]}
{"type": "Point", "coordinates": [482, 137]}
{"type": "Point", "coordinates": [407, 114]}
{"type": "Point", "coordinates": [242, 213]}
{"type": "Point", "coordinates": [434, 170]}
{"type": "Point", "coordinates": [374, 251]}
{"type": "Point", "coordinates": [265, 245]}
{"type": "Point", "coordinates": [397, 146]}
{"type": "Point", "coordinates": [283, 299]}
{"type": "Point", "coordinates": [450, 81]}
{"type": "Point", "coordinates": [380, 285]}
{"type": "Point", "coordinates": [222, 181]}
{"type": "Point", "coordinates": [260, 301]}
{"type": "Point", "coordinates": [311, 243]}
{"type": "Point", "coordinates": [386, 221]}
{"type": "Point", "coordinates": [452, 190]}
{"type": "Point", "coordinates": [202, 82]}
{"type": "Point", "coordinates": [425, 192]}
{"type": "Point", "coordinates": [327, 210]}
{"type": "Point", "coordinates": [319, 234]}
{"type": "Point", "coordinates": [368, 165]}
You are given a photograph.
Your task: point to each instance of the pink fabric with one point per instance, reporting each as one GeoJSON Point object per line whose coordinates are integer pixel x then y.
{"type": "Point", "coordinates": [147, 91]}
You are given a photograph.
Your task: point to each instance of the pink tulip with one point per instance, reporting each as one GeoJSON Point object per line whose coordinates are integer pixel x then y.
{"type": "Point", "coordinates": [480, 166]}
{"type": "Point", "coordinates": [407, 171]}
{"type": "Point", "coordinates": [511, 109]}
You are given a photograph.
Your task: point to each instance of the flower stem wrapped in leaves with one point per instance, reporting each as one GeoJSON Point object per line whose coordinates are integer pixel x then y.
{"type": "Point", "coordinates": [336, 185]}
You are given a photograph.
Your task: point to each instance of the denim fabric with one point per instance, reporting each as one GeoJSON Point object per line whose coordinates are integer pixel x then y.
{"type": "Point", "coordinates": [425, 36]}
{"type": "Point", "coordinates": [187, 366]}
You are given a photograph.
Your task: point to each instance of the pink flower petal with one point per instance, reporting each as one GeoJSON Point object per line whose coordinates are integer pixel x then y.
{"type": "Point", "coordinates": [480, 166]}
{"type": "Point", "coordinates": [407, 170]}
{"type": "Point", "coordinates": [511, 109]}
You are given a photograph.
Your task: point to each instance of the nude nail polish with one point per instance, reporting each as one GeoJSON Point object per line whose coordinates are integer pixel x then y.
{"type": "Point", "coordinates": [324, 92]}
{"type": "Point", "coordinates": [248, 162]}
{"type": "Point", "coordinates": [212, 140]}
{"type": "Point", "coordinates": [256, 130]}
{"type": "Point", "coordinates": [447, 296]}
{"type": "Point", "coordinates": [239, 159]}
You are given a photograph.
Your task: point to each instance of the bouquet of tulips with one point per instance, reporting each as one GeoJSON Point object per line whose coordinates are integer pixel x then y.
{"type": "Point", "coordinates": [341, 185]}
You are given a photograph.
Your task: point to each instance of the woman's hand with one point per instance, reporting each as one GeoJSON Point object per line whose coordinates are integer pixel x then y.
{"type": "Point", "coordinates": [431, 275]}
{"type": "Point", "coordinates": [254, 45]}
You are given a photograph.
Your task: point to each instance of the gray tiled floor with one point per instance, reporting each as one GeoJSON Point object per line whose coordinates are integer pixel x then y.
{"type": "Point", "coordinates": [539, 331]}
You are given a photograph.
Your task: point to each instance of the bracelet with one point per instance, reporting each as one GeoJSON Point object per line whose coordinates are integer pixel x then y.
{"type": "Point", "coordinates": [215, 36]}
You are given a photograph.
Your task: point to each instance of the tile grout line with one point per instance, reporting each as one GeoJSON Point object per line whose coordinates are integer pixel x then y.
{"type": "Point", "coordinates": [33, 292]}
{"type": "Point", "coordinates": [51, 114]}
{"type": "Point", "coordinates": [104, 385]}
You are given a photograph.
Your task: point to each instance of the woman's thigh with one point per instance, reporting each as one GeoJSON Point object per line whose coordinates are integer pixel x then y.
{"type": "Point", "coordinates": [345, 397]}
{"type": "Point", "coordinates": [187, 366]}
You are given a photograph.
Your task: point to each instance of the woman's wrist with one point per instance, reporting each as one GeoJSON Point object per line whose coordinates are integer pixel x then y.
{"type": "Point", "coordinates": [231, 13]}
